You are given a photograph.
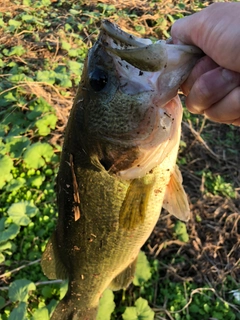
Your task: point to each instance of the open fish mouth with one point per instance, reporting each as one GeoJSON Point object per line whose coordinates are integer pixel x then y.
{"type": "Point", "coordinates": [162, 56]}
{"type": "Point", "coordinates": [148, 77]}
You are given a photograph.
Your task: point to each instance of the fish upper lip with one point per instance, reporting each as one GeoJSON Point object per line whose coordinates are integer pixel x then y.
{"type": "Point", "coordinates": [141, 53]}
{"type": "Point", "coordinates": [115, 33]}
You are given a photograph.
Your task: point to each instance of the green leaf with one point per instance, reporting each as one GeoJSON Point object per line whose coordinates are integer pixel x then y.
{"type": "Point", "coordinates": [7, 99]}
{"type": "Point", "coordinates": [14, 24]}
{"type": "Point", "coordinates": [17, 145]}
{"type": "Point", "coordinates": [38, 154]}
{"type": "Point", "coordinates": [141, 311]}
{"type": "Point", "coordinates": [6, 165]}
{"type": "Point", "coordinates": [15, 184]}
{"type": "Point", "coordinates": [2, 259]}
{"type": "Point", "coordinates": [64, 80]}
{"type": "Point", "coordinates": [46, 123]}
{"type": "Point", "coordinates": [6, 245]}
{"type": "Point", "coordinates": [66, 45]}
{"type": "Point", "coordinates": [181, 231]}
{"type": "Point", "coordinates": [21, 211]}
{"type": "Point", "coordinates": [10, 233]}
{"type": "Point", "coordinates": [19, 77]}
{"type": "Point", "coordinates": [19, 312]}
{"type": "Point", "coordinates": [28, 18]}
{"type": "Point", "coordinates": [52, 306]}
{"type": "Point", "coordinates": [63, 288]}
{"type": "Point", "coordinates": [130, 314]}
{"type": "Point", "coordinates": [75, 67]}
{"type": "Point", "coordinates": [106, 305]}
{"type": "Point", "coordinates": [36, 181]}
{"type": "Point", "coordinates": [143, 270]}
{"type": "Point", "coordinates": [8, 248]}
{"type": "Point", "coordinates": [38, 108]}
{"type": "Point", "coordinates": [73, 52]}
{"type": "Point", "coordinates": [41, 314]}
{"type": "Point", "coordinates": [46, 292]}
{"type": "Point", "coordinates": [46, 76]}
{"type": "Point", "coordinates": [19, 289]}
{"type": "Point", "coordinates": [2, 302]}
{"type": "Point", "coordinates": [16, 50]}
{"type": "Point", "coordinates": [2, 223]}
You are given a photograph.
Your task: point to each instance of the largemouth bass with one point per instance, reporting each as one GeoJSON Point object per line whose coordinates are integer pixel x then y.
{"type": "Point", "coordinates": [118, 165]}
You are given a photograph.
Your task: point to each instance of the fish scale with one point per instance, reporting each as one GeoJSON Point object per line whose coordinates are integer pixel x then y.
{"type": "Point", "coordinates": [118, 166]}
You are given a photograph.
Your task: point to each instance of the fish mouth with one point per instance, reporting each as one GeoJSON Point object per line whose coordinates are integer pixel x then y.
{"type": "Point", "coordinates": [151, 74]}
{"type": "Point", "coordinates": [148, 56]}
{"type": "Point", "coordinates": [163, 66]}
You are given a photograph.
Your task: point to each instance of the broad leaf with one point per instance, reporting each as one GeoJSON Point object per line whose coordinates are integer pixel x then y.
{"type": "Point", "coordinates": [10, 233]}
{"type": "Point", "coordinates": [41, 314]}
{"type": "Point", "coordinates": [46, 76]}
{"type": "Point", "coordinates": [37, 154]}
{"type": "Point", "coordinates": [63, 288]}
{"type": "Point", "coordinates": [19, 312]}
{"type": "Point", "coordinates": [141, 311]}
{"type": "Point", "coordinates": [16, 50]}
{"type": "Point", "coordinates": [36, 181]}
{"type": "Point", "coordinates": [2, 302]}
{"type": "Point", "coordinates": [64, 79]}
{"type": "Point", "coordinates": [38, 107]}
{"type": "Point", "coordinates": [6, 165]}
{"type": "Point", "coordinates": [17, 145]}
{"type": "Point", "coordinates": [46, 123]}
{"type": "Point", "coordinates": [130, 314]}
{"type": "Point", "coordinates": [75, 67]}
{"type": "Point", "coordinates": [7, 99]}
{"type": "Point", "coordinates": [19, 289]}
{"type": "Point", "coordinates": [143, 270]}
{"type": "Point", "coordinates": [106, 305]}
{"type": "Point", "coordinates": [21, 211]}
{"type": "Point", "coordinates": [15, 184]}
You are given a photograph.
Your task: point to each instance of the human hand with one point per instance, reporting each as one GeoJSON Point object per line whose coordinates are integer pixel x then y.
{"type": "Point", "coordinates": [213, 87]}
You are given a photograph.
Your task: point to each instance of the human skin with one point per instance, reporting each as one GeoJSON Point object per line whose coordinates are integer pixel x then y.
{"type": "Point", "coordinates": [213, 87]}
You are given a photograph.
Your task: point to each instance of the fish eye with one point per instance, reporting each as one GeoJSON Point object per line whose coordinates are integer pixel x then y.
{"type": "Point", "coordinates": [98, 79]}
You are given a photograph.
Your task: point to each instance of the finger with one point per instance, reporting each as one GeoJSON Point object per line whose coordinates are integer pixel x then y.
{"type": "Point", "coordinates": [215, 30]}
{"type": "Point", "coordinates": [227, 110]}
{"type": "Point", "coordinates": [210, 88]}
{"type": "Point", "coordinates": [236, 122]}
{"type": "Point", "coordinates": [180, 32]}
{"type": "Point", "coordinates": [203, 66]}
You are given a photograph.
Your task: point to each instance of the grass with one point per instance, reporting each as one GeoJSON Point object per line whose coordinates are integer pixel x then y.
{"type": "Point", "coordinates": [187, 271]}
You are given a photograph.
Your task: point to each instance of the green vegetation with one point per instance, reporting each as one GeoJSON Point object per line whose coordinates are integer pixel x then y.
{"type": "Point", "coordinates": [43, 45]}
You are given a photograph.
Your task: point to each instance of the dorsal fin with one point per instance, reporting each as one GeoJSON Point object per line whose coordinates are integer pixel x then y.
{"type": "Point", "coordinates": [175, 199]}
{"type": "Point", "coordinates": [51, 264]}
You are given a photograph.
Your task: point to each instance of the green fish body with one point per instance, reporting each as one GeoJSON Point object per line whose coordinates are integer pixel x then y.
{"type": "Point", "coordinates": [118, 166]}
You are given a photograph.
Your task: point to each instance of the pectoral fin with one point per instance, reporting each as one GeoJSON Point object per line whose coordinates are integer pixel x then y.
{"type": "Point", "coordinates": [175, 199]}
{"type": "Point", "coordinates": [133, 209]}
{"type": "Point", "coordinates": [123, 280]}
{"type": "Point", "coordinates": [51, 264]}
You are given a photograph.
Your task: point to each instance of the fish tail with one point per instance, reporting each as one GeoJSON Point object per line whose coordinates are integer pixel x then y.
{"type": "Point", "coordinates": [69, 309]}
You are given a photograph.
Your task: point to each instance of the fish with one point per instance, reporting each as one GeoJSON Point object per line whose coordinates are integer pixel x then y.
{"type": "Point", "coordinates": [118, 165]}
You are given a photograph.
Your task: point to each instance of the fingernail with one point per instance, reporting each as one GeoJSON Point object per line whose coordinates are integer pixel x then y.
{"type": "Point", "coordinates": [227, 75]}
